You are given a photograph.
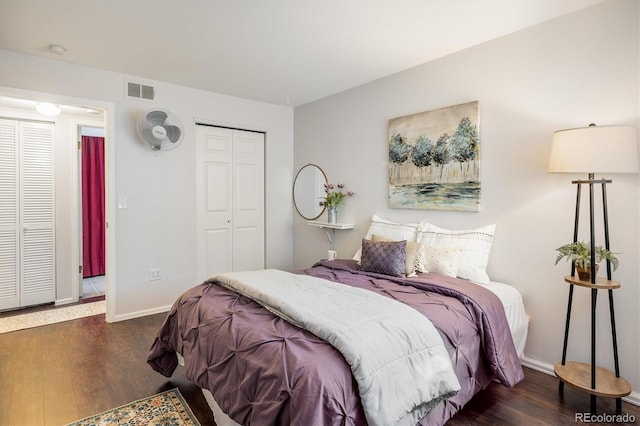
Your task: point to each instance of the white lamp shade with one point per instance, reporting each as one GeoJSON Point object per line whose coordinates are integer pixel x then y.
{"type": "Point", "coordinates": [595, 149]}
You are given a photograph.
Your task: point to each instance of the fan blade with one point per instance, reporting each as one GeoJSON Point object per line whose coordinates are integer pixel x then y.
{"type": "Point", "coordinates": [156, 117]}
{"type": "Point", "coordinates": [173, 133]}
{"type": "Point", "coordinates": [151, 139]}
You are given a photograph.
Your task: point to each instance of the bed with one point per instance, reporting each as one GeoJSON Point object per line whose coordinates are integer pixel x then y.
{"type": "Point", "coordinates": [259, 369]}
{"type": "Point", "coordinates": [431, 331]}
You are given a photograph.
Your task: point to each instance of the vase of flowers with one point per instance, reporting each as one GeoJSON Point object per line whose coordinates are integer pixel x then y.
{"type": "Point", "coordinates": [334, 196]}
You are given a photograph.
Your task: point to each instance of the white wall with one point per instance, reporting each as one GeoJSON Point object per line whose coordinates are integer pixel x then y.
{"type": "Point", "coordinates": [157, 229]}
{"type": "Point", "coordinates": [569, 72]}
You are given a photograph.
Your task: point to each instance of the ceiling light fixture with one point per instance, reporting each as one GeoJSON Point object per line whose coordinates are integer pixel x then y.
{"type": "Point", "coordinates": [48, 109]}
{"type": "Point", "coordinates": [56, 49]}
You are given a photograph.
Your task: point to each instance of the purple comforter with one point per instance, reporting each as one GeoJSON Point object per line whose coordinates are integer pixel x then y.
{"type": "Point", "coordinates": [263, 371]}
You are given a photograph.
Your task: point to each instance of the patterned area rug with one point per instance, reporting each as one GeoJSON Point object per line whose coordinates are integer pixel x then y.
{"type": "Point", "coordinates": [51, 316]}
{"type": "Point", "coordinates": [164, 409]}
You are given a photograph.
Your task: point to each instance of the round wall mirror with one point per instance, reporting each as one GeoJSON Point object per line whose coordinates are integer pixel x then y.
{"type": "Point", "coordinates": [308, 190]}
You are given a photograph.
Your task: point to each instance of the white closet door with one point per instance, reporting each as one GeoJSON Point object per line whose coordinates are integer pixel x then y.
{"type": "Point", "coordinates": [248, 206]}
{"type": "Point", "coordinates": [230, 200]}
{"type": "Point", "coordinates": [214, 155]}
{"type": "Point", "coordinates": [27, 261]}
{"type": "Point", "coordinates": [37, 202]}
{"type": "Point", "coordinates": [9, 267]}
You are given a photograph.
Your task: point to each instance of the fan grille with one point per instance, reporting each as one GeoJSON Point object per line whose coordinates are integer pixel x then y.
{"type": "Point", "coordinates": [160, 128]}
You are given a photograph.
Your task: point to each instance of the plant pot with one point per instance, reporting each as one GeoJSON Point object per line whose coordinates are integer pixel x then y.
{"type": "Point", "coordinates": [585, 274]}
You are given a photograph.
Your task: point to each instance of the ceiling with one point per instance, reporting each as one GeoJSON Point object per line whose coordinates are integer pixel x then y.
{"type": "Point", "coordinates": [286, 52]}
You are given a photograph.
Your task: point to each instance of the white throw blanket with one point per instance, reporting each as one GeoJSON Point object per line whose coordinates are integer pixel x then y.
{"type": "Point", "coordinates": [396, 355]}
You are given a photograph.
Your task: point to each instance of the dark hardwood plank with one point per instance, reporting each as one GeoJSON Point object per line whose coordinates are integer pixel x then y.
{"type": "Point", "coordinates": [26, 361]}
{"type": "Point", "coordinates": [62, 372]}
{"type": "Point", "coordinates": [534, 401]}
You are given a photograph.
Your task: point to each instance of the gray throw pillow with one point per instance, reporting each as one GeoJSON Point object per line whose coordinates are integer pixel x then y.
{"type": "Point", "coordinates": [385, 257]}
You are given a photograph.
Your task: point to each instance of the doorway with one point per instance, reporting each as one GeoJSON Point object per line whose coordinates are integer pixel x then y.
{"type": "Point", "coordinates": [92, 211]}
{"type": "Point", "coordinates": [75, 112]}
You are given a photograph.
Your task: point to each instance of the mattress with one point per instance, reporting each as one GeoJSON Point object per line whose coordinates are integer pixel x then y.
{"type": "Point", "coordinates": [514, 309]}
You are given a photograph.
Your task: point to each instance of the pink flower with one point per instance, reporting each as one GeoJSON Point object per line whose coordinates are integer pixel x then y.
{"type": "Point", "coordinates": [334, 197]}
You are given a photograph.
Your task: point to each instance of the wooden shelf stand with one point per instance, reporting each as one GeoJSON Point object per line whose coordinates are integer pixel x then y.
{"type": "Point", "coordinates": [578, 374]}
{"type": "Point", "coordinates": [589, 377]}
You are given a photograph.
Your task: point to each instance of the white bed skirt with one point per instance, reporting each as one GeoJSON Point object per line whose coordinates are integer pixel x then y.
{"type": "Point", "coordinates": [219, 416]}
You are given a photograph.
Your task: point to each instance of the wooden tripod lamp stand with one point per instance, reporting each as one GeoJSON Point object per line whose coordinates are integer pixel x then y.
{"type": "Point", "coordinates": [591, 150]}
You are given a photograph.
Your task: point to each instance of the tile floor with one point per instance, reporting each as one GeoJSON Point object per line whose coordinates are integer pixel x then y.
{"type": "Point", "coordinates": [29, 318]}
{"type": "Point", "coordinates": [92, 302]}
{"type": "Point", "coordinates": [93, 286]}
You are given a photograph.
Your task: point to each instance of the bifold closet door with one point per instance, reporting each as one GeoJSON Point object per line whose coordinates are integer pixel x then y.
{"type": "Point", "coordinates": [230, 200]}
{"type": "Point", "coordinates": [27, 249]}
{"type": "Point", "coordinates": [248, 200]}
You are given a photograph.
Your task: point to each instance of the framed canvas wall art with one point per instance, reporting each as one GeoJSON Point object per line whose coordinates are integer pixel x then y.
{"type": "Point", "coordinates": [434, 159]}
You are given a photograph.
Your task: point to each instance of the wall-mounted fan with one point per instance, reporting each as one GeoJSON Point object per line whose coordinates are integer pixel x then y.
{"type": "Point", "coordinates": [161, 129]}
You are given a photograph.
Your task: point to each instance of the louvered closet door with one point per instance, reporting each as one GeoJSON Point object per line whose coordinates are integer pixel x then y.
{"type": "Point", "coordinates": [9, 236]}
{"type": "Point", "coordinates": [27, 261]}
{"type": "Point", "coordinates": [36, 190]}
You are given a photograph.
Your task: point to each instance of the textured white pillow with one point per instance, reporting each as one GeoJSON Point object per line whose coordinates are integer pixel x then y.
{"type": "Point", "coordinates": [474, 245]}
{"type": "Point", "coordinates": [441, 260]}
{"type": "Point", "coordinates": [391, 230]}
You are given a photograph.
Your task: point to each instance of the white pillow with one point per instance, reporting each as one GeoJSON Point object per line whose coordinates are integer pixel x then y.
{"type": "Point", "coordinates": [391, 230]}
{"type": "Point", "coordinates": [442, 260]}
{"type": "Point", "coordinates": [474, 245]}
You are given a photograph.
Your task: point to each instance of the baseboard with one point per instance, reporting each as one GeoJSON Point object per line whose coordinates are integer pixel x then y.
{"type": "Point", "coordinates": [142, 313]}
{"type": "Point", "coordinates": [543, 367]}
{"type": "Point", "coordinates": [66, 301]}
{"type": "Point", "coordinates": [540, 366]}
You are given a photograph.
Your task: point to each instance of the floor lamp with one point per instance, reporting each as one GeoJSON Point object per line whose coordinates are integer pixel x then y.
{"type": "Point", "coordinates": [591, 150]}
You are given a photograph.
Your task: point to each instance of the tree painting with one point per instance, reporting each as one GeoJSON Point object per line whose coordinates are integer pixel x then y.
{"type": "Point", "coordinates": [434, 159]}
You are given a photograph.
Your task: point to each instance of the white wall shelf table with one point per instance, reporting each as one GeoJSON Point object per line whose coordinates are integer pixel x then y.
{"type": "Point", "coordinates": [330, 230]}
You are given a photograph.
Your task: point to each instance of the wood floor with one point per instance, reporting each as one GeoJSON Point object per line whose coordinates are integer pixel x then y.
{"type": "Point", "coordinates": [62, 372]}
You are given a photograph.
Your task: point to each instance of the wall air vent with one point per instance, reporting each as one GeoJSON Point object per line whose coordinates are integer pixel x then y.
{"type": "Point", "coordinates": [140, 91]}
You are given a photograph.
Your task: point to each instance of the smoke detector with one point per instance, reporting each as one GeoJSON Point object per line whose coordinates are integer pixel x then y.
{"type": "Point", "coordinates": [56, 49]}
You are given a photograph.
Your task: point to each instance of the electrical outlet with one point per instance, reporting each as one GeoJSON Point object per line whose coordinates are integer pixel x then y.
{"type": "Point", "coordinates": [154, 274]}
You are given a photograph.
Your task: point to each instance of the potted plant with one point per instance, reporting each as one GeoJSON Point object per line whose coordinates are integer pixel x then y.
{"type": "Point", "coordinates": [580, 253]}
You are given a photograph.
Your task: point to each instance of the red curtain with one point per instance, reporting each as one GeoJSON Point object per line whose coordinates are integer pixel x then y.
{"type": "Point", "coordinates": [93, 224]}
